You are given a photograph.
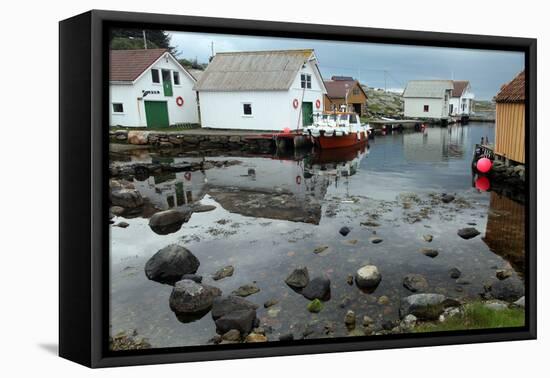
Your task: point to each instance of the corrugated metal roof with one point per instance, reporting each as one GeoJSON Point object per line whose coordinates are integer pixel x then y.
{"type": "Point", "coordinates": [195, 73]}
{"type": "Point", "coordinates": [253, 70]}
{"type": "Point", "coordinates": [427, 88]}
{"type": "Point", "coordinates": [514, 91]}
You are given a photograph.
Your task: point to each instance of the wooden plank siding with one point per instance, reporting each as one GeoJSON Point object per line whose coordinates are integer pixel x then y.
{"type": "Point", "coordinates": [510, 131]}
{"type": "Point", "coordinates": [505, 232]}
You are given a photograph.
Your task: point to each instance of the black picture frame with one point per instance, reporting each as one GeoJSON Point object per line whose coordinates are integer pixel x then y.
{"type": "Point", "coordinates": [83, 156]}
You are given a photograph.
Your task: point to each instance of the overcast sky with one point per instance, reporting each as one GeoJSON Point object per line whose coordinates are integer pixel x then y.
{"type": "Point", "coordinates": [371, 63]}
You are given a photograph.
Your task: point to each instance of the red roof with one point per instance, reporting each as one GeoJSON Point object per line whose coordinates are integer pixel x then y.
{"type": "Point", "coordinates": [338, 88]}
{"type": "Point", "coordinates": [127, 65]}
{"type": "Point", "coordinates": [514, 91]}
{"type": "Point", "coordinates": [459, 87]}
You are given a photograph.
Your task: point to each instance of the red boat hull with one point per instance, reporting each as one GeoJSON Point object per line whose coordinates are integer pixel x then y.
{"type": "Point", "coordinates": [341, 141]}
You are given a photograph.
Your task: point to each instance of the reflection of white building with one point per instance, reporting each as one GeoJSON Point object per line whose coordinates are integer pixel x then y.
{"type": "Point", "coordinates": [427, 99]}
{"type": "Point", "coordinates": [173, 189]}
{"type": "Point", "coordinates": [462, 99]}
{"type": "Point", "coordinates": [434, 145]}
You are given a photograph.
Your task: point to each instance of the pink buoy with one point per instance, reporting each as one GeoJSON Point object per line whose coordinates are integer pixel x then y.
{"type": "Point", "coordinates": [483, 184]}
{"type": "Point", "coordinates": [286, 130]}
{"type": "Point", "coordinates": [484, 165]}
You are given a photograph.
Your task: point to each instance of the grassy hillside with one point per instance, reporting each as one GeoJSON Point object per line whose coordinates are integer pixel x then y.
{"type": "Point", "coordinates": [384, 104]}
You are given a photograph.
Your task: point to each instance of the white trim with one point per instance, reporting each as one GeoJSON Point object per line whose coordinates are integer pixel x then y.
{"type": "Point", "coordinates": [173, 59]}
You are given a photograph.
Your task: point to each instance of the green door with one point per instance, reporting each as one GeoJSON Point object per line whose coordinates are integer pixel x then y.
{"type": "Point", "coordinates": [167, 83]}
{"type": "Point", "coordinates": [307, 113]}
{"type": "Point", "coordinates": [156, 113]}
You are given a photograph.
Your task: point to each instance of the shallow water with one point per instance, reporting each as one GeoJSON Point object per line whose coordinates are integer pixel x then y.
{"type": "Point", "coordinates": [272, 212]}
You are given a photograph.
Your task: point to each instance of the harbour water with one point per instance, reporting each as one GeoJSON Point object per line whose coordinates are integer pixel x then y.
{"type": "Point", "coordinates": [276, 212]}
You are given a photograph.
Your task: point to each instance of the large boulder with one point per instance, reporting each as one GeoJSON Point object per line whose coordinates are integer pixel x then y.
{"type": "Point", "coordinates": [241, 320]}
{"type": "Point", "coordinates": [170, 263]}
{"type": "Point", "coordinates": [299, 278]}
{"type": "Point", "coordinates": [317, 288]}
{"type": "Point", "coordinates": [507, 290]}
{"type": "Point", "coordinates": [169, 221]}
{"type": "Point", "coordinates": [126, 198]}
{"type": "Point", "coordinates": [425, 306]}
{"type": "Point", "coordinates": [415, 282]}
{"type": "Point", "coordinates": [368, 277]}
{"type": "Point", "coordinates": [189, 297]}
{"type": "Point", "coordinates": [138, 137]}
{"type": "Point", "coordinates": [225, 305]}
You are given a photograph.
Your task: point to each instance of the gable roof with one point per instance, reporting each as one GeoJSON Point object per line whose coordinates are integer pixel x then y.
{"type": "Point", "coordinates": [195, 73]}
{"type": "Point", "coordinates": [253, 70]}
{"type": "Point", "coordinates": [128, 65]}
{"type": "Point", "coordinates": [427, 88]}
{"type": "Point", "coordinates": [459, 86]}
{"type": "Point", "coordinates": [514, 91]}
{"type": "Point", "coordinates": [338, 88]}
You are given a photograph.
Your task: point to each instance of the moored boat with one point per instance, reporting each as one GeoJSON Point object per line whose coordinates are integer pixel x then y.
{"type": "Point", "coordinates": [337, 130]}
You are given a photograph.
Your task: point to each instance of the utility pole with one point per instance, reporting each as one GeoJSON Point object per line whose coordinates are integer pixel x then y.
{"type": "Point", "coordinates": [385, 81]}
{"type": "Point", "coordinates": [144, 40]}
{"type": "Point", "coordinates": [212, 48]}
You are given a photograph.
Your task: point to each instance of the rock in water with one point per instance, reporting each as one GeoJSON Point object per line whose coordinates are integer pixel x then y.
{"type": "Point", "coordinates": [368, 277]}
{"type": "Point", "coordinates": [189, 297]}
{"type": "Point", "coordinates": [241, 320]}
{"type": "Point", "coordinates": [193, 277]}
{"type": "Point", "coordinates": [376, 240]}
{"type": "Point", "coordinates": [255, 338]}
{"type": "Point", "coordinates": [430, 252]}
{"type": "Point", "coordinates": [446, 198]}
{"type": "Point", "coordinates": [232, 335]}
{"type": "Point", "coordinates": [455, 273]}
{"type": "Point", "coordinates": [299, 278]}
{"type": "Point", "coordinates": [507, 290]}
{"type": "Point", "coordinates": [169, 221]}
{"type": "Point", "coordinates": [415, 282]}
{"type": "Point", "coordinates": [318, 288]}
{"type": "Point", "coordinates": [203, 208]}
{"type": "Point", "coordinates": [503, 274]}
{"type": "Point", "coordinates": [428, 238]}
{"type": "Point", "coordinates": [222, 306]}
{"type": "Point", "coordinates": [246, 290]}
{"type": "Point", "coordinates": [271, 302]}
{"type": "Point", "coordinates": [169, 264]}
{"type": "Point", "coordinates": [350, 319]}
{"type": "Point", "coordinates": [425, 306]}
{"type": "Point", "coordinates": [315, 306]}
{"type": "Point", "coordinates": [320, 249]}
{"type": "Point", "coordinates": [468, 233]}
{"type": "Point", "coordinates": [224, 272]}
{"type": "Point", "coordinates": [344, 231]}
{"type": "Point", "coordinates": [127, 198]}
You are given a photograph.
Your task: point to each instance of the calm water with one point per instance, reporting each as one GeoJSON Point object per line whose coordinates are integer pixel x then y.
{"type": "Point", "coordinates": [272, 212]}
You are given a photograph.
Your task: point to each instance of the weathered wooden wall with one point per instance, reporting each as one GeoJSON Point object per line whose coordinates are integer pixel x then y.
{"type": "Point", "coordinates": [510, 131]}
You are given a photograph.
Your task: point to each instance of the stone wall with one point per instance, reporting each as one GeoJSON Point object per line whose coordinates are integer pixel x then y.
{"type": "Point", "coordinates": [192, 140]}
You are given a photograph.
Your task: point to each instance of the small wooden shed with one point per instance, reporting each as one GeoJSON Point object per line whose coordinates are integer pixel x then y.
{"type": "Point", "coordinates": [345, 90]}
{"type": "Point", "coordinates": [510, 120]}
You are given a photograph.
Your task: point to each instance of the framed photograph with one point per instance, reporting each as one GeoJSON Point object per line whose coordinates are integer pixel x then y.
{"type": "Point", "coordinates": [234, 188]}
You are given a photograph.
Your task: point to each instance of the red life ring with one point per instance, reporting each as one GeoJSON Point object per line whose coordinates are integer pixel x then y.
{"type": "Point", "coordinates": [187, 175]}
{"type": "Point", "coordinates": [318, 103]}
{"type": "Point", "coordinates": [179, 101]}
{"type": "Point", "coordinates": [298, 180]}
{"type": "Point", "coordinates": [295, 103]}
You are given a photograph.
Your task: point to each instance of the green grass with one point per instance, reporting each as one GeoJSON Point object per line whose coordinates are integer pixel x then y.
{"type": "Point", "coordinates": [477, 316]}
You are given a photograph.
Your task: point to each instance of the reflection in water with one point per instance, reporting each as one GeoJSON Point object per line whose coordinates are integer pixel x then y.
{"type": "Point", "coordinates": [270, 213]}
{"type": "Point", "coordinates": [505, 232]}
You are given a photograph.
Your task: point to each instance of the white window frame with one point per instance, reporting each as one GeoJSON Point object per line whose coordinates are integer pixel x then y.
{"type": "Point", "coordinates": [174, 80]}
{"type": "Point", "coordinates": [113, 108]}
{"type": "Point", "coordinates": [251, 115]}
{"type": "Point", "coordinates": [159, 76]}
{"type": "Point", "coordinates": [306, 81]}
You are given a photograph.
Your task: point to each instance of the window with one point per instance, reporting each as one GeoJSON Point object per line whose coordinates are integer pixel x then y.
{"type": "Point", "coordinates": [426, 108]}
{"type": "Point", "coordinates": [306, 81]}
{"type": "Point", "coordinates": [247, 109]}
{"type": "Point", "coordinates": [355, 91]}
{"type": "Point", "coordinates": [176, 77]}
{"type": "Point", "coordinates": [118, 107]}
{"type": "Point", "coordinates": [155, 77]}
{"type": "Point", "coordinates": [353, 118]}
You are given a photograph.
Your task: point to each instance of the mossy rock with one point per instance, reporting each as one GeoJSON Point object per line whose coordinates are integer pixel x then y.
{"type": "Point", "coordinates": [315, 306]}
